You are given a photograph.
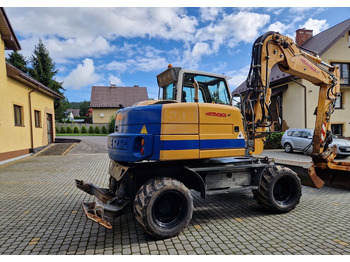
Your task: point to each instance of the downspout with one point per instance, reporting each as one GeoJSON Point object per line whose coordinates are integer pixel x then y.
{"type": "Point", "coordinates": [31, 120]}
{"type": "Point", "coordinates": [305, 104]}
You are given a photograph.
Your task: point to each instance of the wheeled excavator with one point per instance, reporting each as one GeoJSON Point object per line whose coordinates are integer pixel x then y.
{"type": "Point", "coordinates": [194, 138]}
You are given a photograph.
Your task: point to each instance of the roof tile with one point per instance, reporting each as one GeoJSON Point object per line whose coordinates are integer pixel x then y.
{"type": "Point", "coordinates": [112, 96]}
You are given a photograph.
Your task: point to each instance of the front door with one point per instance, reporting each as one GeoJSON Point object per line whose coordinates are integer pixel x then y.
{"type": "Point", "coordinates": [49, 128]}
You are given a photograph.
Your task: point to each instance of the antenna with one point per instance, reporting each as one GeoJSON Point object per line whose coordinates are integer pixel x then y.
{"type": "Point", "coordinates": [160, 41]}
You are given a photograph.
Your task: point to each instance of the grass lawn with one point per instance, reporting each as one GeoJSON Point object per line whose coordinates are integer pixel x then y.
{"type": "Point", "coordinates": [80, 134]}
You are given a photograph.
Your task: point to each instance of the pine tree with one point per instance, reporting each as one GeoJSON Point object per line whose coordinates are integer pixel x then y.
{"type": "Point", "coordinates": [18, 60]}
{"type": "Point", "coordinates": [43, 70]}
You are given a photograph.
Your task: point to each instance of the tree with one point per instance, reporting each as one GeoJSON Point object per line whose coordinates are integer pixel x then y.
{"type": "Point", "coordinates": [83, 106]}
{"type": "Point", "coordinates": [43, 70]}
{"type": "Point", "coordinates": [18, 60]}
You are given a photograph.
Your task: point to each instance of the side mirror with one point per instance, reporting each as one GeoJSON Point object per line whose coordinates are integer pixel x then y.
{"type": "Point", "coordinates": [237, 101]}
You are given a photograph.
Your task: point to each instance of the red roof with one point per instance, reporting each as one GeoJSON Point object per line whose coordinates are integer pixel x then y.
{"type": "Point", "coordinates": [116, 97]}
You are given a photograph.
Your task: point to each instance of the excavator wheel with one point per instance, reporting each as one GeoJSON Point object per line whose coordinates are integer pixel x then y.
{"type": "Point", "coordinates": [164, 207]}
{"type": "Point", "coordinates": [279, 189]}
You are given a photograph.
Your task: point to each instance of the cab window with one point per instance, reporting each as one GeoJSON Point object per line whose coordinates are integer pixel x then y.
{"type": "Point", "coordinates": [168, 93]}
{"type": "Point", "coordinates": [211, 89]}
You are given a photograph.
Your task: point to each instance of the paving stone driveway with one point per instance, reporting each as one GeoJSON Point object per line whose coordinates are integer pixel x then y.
{"type": "Point", "coordinates": [41, 214]}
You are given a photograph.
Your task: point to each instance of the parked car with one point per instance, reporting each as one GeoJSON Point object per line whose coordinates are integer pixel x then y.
{"type": "Point", "coordinates": [299, 138]}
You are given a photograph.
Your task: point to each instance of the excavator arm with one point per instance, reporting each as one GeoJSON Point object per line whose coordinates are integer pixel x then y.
{"type": "Point", "coordinates": [268, 50]}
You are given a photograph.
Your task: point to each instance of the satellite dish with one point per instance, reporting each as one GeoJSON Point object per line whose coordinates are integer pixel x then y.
{"type": "Point", "coordinates": [102, 115]}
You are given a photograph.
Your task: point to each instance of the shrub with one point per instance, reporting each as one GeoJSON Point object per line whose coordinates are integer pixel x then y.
{"type": "Point", "coordinates": [97, 130]}
{"type": "Point", "coordinates": [91, 130]}
{"type": "Point", "coordinates": [273, 141]}
{"type": "Point", "coordinates": [69, 130]}
{"type": "Point", "coordinates": [111, 128]}
{"type": "Point", "coordinates": [104, 130]}
{"type": "Point", "coordinates": [62, 130]}
{"type": "Point", "coordinates": [76, 130]}
{"type": "Point", "coordinates": [57, 131]}
{"type": "Point", "coordinates": [83, 130]}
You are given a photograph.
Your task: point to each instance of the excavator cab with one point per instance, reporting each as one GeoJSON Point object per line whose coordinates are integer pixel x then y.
{"type": "Point", "coordinates": [181, 85]}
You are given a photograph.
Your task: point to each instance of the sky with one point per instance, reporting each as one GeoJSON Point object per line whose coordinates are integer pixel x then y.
{"type": "Point", "coordinates": [129, 46]}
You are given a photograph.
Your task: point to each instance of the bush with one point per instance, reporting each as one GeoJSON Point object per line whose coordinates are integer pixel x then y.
{"type": "Point", "coordinates": [57, 131]}
{"type": "Point", "coordinates": [273, 141]}
{"type": "Point", "coordinates": [62, 130]}
{"type": "Point", "coordinates": [83, 130]}
{"type": "Point", "coordinates": [111, 125]}
{"type": "Point", "coordinates": [104, 130]}
{"type": "Point", "coordinates": [97, 130]}
{"type": "Point", "coordinates": [69, 130]}
{"type": "Point", "coordinates": [91, 130]}
{"type": "Point", "coordinates": [76, 130]}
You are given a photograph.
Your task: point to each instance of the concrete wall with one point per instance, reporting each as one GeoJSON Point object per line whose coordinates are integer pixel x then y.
{"type": "Point", "coordinates": [16, 140]}
{"type": "Point", "coordinates": [80, 125]}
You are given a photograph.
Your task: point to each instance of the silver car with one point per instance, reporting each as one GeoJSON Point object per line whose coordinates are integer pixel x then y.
{"type": "Point", "coordinates": [299, 138]}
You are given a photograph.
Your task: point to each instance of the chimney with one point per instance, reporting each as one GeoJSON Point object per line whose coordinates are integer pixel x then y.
{"type": "Point", "coordinates": [302, 35]}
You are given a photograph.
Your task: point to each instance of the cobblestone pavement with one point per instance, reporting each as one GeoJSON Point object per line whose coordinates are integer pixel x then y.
{"type": "Point", "coordinates": [41, 214]}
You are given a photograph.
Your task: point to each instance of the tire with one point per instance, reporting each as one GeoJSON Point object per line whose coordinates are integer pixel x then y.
{"type": "Point", "coordinates": [288, 148]}
{"type": "Point", "coordinates": [164, 207]}
{"type": "Point", "coordinates": [279, 189]}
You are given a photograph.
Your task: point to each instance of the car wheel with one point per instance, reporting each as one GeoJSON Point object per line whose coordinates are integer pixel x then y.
{"type": "Point", "coordinates": [288, 148]}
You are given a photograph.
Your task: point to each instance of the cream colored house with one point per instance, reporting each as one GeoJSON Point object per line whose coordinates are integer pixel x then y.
{"type": "Point", "coordinates": [107, 100]}
{"type": "Point", "coordinates": [26, 106]}
{"type": "Point", "coordinates": [299, 97]}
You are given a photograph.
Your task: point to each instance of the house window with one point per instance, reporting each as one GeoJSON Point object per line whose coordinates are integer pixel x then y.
{"type": "Point", "coordinates": [339, 102]}
{"type": "Point", "coordinates": [344, 73]}
{"type": "Point", "coordinates": [37, 116]}
{"type": "Point", "coordinates": [18, 115]}
{"type": "Point", "coordinates": [337, 129]}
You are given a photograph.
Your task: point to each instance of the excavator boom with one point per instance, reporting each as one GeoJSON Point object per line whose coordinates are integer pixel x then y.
{"type": "Point", "coordinates": [271, 49]}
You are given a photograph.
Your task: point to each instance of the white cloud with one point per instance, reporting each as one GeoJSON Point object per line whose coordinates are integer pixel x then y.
{"type": "Point", "coordinates": [115, 80]}
{"type": "Point", "coordinates": [279, 27]}
{"type": "Point", "coordinates": [299, 10]}
{"type": "Point", "coordinates": [169, 23]}
{"type": "Point", "coordinates": [237, 77]}
{"type": "Point", "coordinates": [232, 29]}
{"type": "Point", "coordinates": [87, 32]}
{"type": "Point", "coordinates": [316, 25]}
{"type": "Point", "coordinates": [275, 10]}
{"type": "Point", "coordinates": [209, 13]}
{"type": "Point", "coordinates": [118, 66]}
{"type": "Point", "coordinates": [82, 76]}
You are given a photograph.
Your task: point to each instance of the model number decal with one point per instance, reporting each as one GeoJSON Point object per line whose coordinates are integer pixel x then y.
{"type": "Point", "coordinates": [118, 143]}
{"type": "Point", "coordinates": [217, 114]}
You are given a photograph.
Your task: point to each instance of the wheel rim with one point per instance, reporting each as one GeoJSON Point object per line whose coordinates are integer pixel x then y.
{"type": "Point", "coordinates": [284, 191]}
{"type": "Point", "coordinates": [169, 209]}
{"type": "Point", "coordinates": [287, 148]}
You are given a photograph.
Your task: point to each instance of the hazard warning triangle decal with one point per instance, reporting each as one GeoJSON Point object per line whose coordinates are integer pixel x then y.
{"type": "Point", "coordinates": [240, 135]}
{"type": "Point", "coordinates": [144, 130]}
